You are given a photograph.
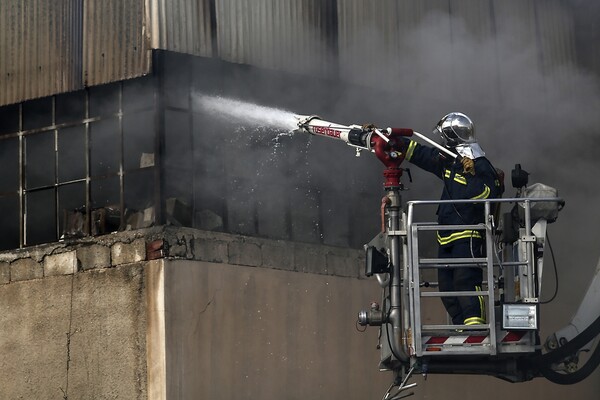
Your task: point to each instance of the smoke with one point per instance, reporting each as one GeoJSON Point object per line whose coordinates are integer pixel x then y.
{"type": "Point", "coordinates": [246, 113]}
{"type": "Point", "coordinates": [532, 103]}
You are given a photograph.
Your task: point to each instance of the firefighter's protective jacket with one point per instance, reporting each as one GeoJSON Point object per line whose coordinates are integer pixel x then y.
{"type": "Point", "coordinates": [457, 185]}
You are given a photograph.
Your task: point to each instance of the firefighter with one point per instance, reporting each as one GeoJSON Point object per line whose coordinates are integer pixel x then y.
{"type": "Point", "coordinates": [470, 176]}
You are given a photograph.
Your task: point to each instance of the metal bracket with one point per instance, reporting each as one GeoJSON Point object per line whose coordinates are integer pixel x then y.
{"type": "Point", "coordinates": [530, 238]}
{"type": "Point", "coordinates": [531, 300]}
{"type": "Point", "coordinates": [401, 386]}
{"type": "Point", "coordinates": [396, 233]}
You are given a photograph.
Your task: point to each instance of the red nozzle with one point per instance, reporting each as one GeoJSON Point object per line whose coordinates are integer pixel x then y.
{"type": "Point", "coordinates": [387, 152]}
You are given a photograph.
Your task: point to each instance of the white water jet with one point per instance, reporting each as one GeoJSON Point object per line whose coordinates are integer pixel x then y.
{"type": "Point", "coordinates": [248, 114]}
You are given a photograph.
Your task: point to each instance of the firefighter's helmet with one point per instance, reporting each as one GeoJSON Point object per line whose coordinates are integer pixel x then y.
{"type": "Point", "coordinates": [456, 129]}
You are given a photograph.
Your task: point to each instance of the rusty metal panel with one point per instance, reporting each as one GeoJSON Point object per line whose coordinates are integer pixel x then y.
{"type": "Point", "coordinates": [369, 40]}
{"type": "Point", "coordinates": [116, 45]}
{"type": "Point", "coordinates": [39, 48]}
{"type": "Point", "coordinates": [288, 35]}
{"type": "Point", "coordinates": [556, 38]}
{"type": "Point", "coordinates": [440, 46]}
{"type": "Point", "coordinates": [395, 45]}
{"type": "Point", "coordinates": [60, 46]}
{"type": "Point", "coordinates": [182, 25]}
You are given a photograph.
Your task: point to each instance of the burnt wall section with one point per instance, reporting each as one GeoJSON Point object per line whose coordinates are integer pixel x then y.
{"type": "Point", "coordinates": [74, 163]}
{"type": "Point", "coordinates": [240, 174]}
{"type": "Point", "coordinates": [144, 152]}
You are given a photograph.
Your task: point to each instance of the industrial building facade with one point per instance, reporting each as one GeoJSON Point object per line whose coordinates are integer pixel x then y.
{"type": "Point", "coordinates": [154, 249]}
{"type": "Point", "coordinates": [86, 149]}
{"type": "Point", "coordinates": [98, 160]}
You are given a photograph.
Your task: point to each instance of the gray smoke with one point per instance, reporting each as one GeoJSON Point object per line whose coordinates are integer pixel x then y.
{"type": "Point", "coordinates": [531, 103]}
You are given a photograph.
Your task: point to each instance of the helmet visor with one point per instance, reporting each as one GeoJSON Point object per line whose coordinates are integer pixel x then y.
{"type": "Point", "coordinates": [456, 129]}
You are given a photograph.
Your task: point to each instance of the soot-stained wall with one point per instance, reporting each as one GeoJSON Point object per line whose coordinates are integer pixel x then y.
{"type": "Point", "coordinates": [252, 178]}
{"type": "Point", "coordinates": [140, 152]}
{"type": "Point", "coordinates": [66, 156]}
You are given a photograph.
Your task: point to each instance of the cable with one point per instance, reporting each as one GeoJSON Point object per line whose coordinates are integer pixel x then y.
{"type": "Point", "coordinates": [577, 376]}
{"type": "Point", "coordinates": [544, 362]}
{"type": "Point", "coordinates": [555, 271]}
{"type": "Point", "coordinates": [586, 336]}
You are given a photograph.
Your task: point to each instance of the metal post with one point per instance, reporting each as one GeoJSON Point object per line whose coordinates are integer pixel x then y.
{"type": "Point", "coordinates": [491, 320]}
{"type": "Point", "coordinates": [529, 250]}
{"type": "Point", "coordinates": [408, 314]}
{"type": "Point", "coordinates": [395, 315]}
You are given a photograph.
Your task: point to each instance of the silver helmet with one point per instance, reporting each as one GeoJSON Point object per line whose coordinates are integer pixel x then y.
{"type": "Point", "coordinates": [456, 129]}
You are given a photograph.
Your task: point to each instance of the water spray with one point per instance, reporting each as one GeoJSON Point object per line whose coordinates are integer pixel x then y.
{"type": "Point", "coordinates": [248, 114]}
{"type": "Point", "coordinates": [384, 142]}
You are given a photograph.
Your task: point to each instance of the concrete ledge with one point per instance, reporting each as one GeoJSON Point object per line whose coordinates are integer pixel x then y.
{"type": "Point", "coordinates": [278, 255]}
{"type": "Point", "coordinates": [26, 269]}
{"type": "Point", "coordinates": [245, 252]}
{"type": "Point", "coordinates": [64, 258]}
{"type": "Point", "coordinates": [127, 253]}
{"type": "Point", "coordinates": [309, 258]}
{"type": "Point", "coordinates": [60, 264]}
{"type": "Point", "coordinates": [209, 250]}
{"type": "Point", "coordinates": [4, 272]}
{"type": "Point", "coordinates": [94, 256]}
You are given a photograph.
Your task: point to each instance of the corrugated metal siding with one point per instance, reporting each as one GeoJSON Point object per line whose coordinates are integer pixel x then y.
{"type": "Point", "coordinates": [515, 42]}
{"type": "Point", "coordinates": [115, 42]}
{"type": "Point", "coordinates": [443, 46]}
{"type": "Point", "coordinates": [556, 39]}
{"type": "Point", "coordinates": [288, 35]}
{"type": "Point", "coordinates": [39, 48]}
{"type": "Point", "coordinates": [53, 47]}
{"type": "Point", "coordinates": [49, 47]}
{"type": "Point", "coordinates": [369, 41]}
{"type": "Point", "coordinates": [182, 25]}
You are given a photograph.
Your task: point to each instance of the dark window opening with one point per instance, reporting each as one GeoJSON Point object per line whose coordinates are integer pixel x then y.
{"type": "Point", "coordinates": [37, 113]}
{"type": "Point", "coordinates": [40, 214]}
{"type": "Point", "coordinates": [9, 116]}
{"type": "Point", "coordinates": [72, 154]}
{"type": "Point", "coordinates": [9, 221]}
{"type": "Point", "coordinates": [9, 165]}
{"type": "Point", "coordinates": [39, 160]}
{"type": "Point", "coordinates": [105, 145]}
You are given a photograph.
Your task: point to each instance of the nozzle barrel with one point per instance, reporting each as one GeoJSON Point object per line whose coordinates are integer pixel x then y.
{"type": "Point", "coordinates": [434, 144]}
{"type": "Point", "coordinates": [313, 124]}
{"type": "Point", "coordinates": [304, 120]}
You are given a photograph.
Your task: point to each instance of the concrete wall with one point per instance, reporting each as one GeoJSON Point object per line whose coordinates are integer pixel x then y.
{"type": "Point", "coordinates": [171, 313]}
{"type": "Point", "coordinates": [222, 316]}
{"type": "Point", "coordinates": [76, 336]}
{"type": "Point", "coordinates": [257, 333]}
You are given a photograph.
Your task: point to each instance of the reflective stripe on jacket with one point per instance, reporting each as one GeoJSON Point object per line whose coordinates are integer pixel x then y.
{"type": "Point", "coordinates": [457, 185]}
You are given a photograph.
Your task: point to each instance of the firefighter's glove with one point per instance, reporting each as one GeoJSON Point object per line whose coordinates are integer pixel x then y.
{"type": "Point", "coordinates": [468, 165]}
{"type": "Point", "coordinates": [368, 127]}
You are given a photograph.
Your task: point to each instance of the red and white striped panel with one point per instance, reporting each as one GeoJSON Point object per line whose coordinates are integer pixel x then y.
{"type": "Point", "coordinates": [513, 336]}
{"type": "Point", "coordinates": [456, 340]}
